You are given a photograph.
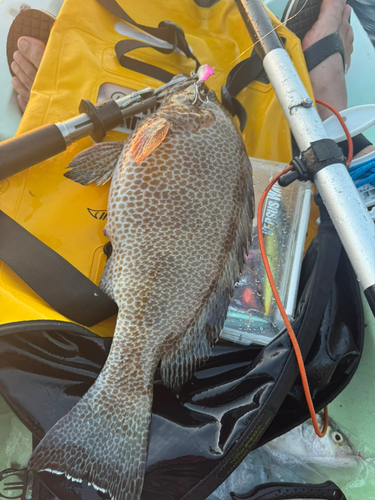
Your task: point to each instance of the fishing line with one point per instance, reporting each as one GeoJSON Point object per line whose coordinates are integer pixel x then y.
{"type": "Point", "coordinates": [292, 336]}
{"type": "Point", "coordinates": [260, 39]}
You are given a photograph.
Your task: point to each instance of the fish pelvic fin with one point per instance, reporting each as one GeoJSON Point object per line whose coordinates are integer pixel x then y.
{"type": "Point", "coordinates": [95, 164]}
{"type": "Point", "coordinates": [102, 440]}
{"type": "Point", "coordinates": [148, 137]}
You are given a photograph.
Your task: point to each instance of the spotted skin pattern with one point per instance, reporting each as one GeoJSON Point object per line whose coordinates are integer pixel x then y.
{"type": "Point", "coordinates": [179, 223]}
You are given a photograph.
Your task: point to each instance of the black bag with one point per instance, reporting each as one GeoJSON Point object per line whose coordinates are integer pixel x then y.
{"type": "Point", "coordinates": [240, 399]}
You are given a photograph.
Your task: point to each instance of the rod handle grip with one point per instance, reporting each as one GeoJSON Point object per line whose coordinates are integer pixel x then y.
{"type": "Point", "coordinates": [288, 491]}
{"type": "Point", "coordinates": [31, 148]}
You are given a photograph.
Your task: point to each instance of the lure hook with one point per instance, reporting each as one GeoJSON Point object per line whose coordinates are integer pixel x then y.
{"type": "Point", "coordinates": [198, 95]}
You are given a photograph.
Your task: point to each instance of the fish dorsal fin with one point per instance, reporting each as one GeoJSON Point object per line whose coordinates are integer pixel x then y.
{"type": "Point", "coordinates": [194, 348]}
{"type": "Point", "coordinates": [148, 137]}
{"type": "Point", "coordinates": [95, 164]}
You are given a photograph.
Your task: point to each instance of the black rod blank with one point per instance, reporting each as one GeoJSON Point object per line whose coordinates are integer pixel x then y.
{"type": "Point", "coordinates": [259, 26]}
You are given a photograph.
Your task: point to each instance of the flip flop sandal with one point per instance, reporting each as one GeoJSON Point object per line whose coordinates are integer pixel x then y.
{"type": "Point", "coordinates": [29, 22]}
{"type": "Point", "coordinates": [299, 16]}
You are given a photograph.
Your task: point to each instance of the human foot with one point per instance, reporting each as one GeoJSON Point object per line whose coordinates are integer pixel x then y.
{"type": "Point", "coordinates": [328, 77]}
{"type": "Point", "coordinates": [25, 64]}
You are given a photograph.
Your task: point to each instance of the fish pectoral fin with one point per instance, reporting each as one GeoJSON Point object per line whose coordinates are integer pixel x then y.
{"type": "Point", "coordinates": [149, 136]}
{"type": "Point", "coordinates": [95, 164]}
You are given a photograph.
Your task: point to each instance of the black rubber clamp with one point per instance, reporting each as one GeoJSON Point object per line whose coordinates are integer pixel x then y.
{"type": "Point", "coordinates": [319, 155]}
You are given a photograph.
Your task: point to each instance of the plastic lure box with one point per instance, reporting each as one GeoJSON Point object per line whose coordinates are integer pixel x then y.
{"type": "Point", "coordinates": [253, 316]}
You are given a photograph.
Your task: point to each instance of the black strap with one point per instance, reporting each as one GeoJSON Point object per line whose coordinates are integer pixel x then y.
{"type": "Point", "coordinates": [52, 277]}
{"type": "Point", "coordinates": [167, 31]}
{"type": "Point", "coordinates": [322, 49]}
{"type": "Point", "coordinates": [240, 77]}
{"type": "Point", "coordinates": [359, 142]}
{"type": "Point", "coordinates": [125, 46]}
{"type": "Point", "coordinates": [244, 73]}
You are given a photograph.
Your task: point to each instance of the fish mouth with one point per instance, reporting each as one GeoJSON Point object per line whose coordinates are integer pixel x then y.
{"type": "Point", "coordinates": [177, 81]}
{"type": "Point", "coordinates": [161, 91]}
{"type": "Point", "coordinates": [187, 90]}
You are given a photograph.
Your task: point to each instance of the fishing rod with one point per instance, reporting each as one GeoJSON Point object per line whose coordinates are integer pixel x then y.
{"type": "Point", "coordinates": [94, 120]}
{"type": "Point", "coordinates": [321, 158]}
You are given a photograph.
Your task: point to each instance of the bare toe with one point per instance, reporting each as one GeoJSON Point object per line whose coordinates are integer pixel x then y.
{"type": "Point", "coordinates": [22, 103]}
{"type": "Point", "coordinates": [25, 64]}
{"type": "Point", "coordinates": [19, 72]}
{"type": "Point", "coordinates": [32, 49]}
{"type": "Point", "coordinates": [20, 88]}
{"type": "Point", "coordinates": [27, 67]}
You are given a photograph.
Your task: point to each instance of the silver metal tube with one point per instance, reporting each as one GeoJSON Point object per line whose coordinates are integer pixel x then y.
{"type": "Point", "coordinates": [351, 218]}
{"type": "Point", "coordinates": [76, 128]}
{"type": "Point", "coordinates": [348, 213]}
{"type": "Point", "coordinates": [304, 122]}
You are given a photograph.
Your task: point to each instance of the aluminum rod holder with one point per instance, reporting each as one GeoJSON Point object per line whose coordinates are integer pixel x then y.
{"type": "Point", "coordinates": [344, 204]}
{"type": "Point", "coordinates": [348, 213]}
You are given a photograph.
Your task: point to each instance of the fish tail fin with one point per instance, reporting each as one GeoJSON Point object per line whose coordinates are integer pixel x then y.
{"type": "Point", "coordinates": [102, 440]}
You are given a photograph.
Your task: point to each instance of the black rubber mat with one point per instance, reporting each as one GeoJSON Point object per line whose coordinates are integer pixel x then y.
{"type": "Point", "coordinates": [29, 22]}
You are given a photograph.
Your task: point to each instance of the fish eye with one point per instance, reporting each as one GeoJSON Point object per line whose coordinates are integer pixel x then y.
{"type": "Point", "coordinates": [337, 437]}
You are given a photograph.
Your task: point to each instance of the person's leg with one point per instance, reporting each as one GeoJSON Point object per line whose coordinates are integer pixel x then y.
{"type": "Point", "coordinates": [25, 65]}
{"type": "Point", "coordinates": [328, 77]}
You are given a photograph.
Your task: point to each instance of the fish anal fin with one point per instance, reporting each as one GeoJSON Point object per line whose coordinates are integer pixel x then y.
{"type": "Point", "coordinates": [148, 137]}
{"type": "Point", "coordinates": [95, 164]}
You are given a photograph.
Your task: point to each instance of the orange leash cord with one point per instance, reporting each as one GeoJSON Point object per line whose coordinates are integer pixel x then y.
{"type": "Point", "coordinates": [292, 336]}
{"type": "Point", "coordinates": [342, 123]}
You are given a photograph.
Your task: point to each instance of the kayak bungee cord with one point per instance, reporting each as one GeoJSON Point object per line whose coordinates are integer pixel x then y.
{"type": "Point", "coordinates": [292, 336]}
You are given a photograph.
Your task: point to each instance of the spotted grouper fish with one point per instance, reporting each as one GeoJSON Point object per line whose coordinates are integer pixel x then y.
{"type": "Point", "coordinates": [180, 212]}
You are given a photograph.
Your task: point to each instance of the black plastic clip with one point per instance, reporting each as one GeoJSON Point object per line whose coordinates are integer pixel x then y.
{"type": "Point", "coordinates": [14, 484]}
{"type": "Point", "coordinates": [299, 172]}
{"type": "Point", "coordinates": [320, 154]}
